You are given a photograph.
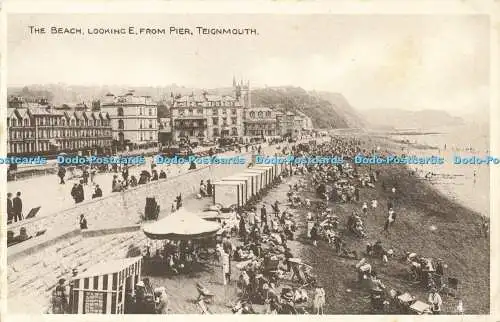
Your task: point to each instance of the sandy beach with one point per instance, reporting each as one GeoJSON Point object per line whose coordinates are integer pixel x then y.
{"type": "Point", "coordinates": [429, 223]}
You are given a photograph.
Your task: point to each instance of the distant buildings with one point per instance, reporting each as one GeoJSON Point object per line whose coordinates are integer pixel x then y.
{"type": "Point", "coordinates": [260, 122]}
{"type": "Point", "coordinates": [133, 119]}
{"type": "Point", "coordinates": [43, 130]}
{"type": "Point", "coordinates": [208, 117]}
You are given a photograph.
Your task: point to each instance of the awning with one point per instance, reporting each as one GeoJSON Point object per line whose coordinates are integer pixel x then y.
{"type": "Point", "coordinates": [211, 215]}
{"type": "Point", "coordinates": [181, 225]}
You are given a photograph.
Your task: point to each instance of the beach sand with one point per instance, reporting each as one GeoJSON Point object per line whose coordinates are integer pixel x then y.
{"type": "Point", "coordinates": [429, 223]}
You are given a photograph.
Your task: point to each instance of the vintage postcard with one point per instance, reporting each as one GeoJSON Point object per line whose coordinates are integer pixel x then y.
{"type": "Point", "coordinates": [250, 158]}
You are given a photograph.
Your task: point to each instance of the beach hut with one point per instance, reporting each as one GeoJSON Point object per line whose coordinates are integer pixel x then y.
{"type": "Point", "coordinates": [102, 288]}
{"type": "Point", "coordinates": [261, 177]}
{"type": "Point", "coordinates": [247, 185]}
{"type": "Point", "coordinates": [251, 181]}
{"type": "Point", "coordinates": [269, 172]}
{"type": "Point", "coordinates": [255, 178]}
{"type": "Point", "coordinates": [228, 193]}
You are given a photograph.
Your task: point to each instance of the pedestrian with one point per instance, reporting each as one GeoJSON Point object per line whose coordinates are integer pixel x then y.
{"type": "Point", "coordinates": [263, 215]}
{"type": "Point", "coordinates": [18, 207]}
{"type": "Point", "coordinates": [226, 269]}
{"type": "Point", "coordinates": [85, 176]}
{"type": "Point", "coordinates": [80, 192]}
{"type": "Point", "coordinates": [364, 208]}
{"type": "Point", "coordinates": [390, 220]}
{"type": "Point", "coordinates": [74, 192]}
{"type": "Point", "coordinates": [315, 234]}
{"type": "Point", "coordinates": [356, 194]}
{"type": "Point", "coordinates": [61, 174]}
{"type": "Point", "coordinates": [319, 299]}
{"type": "Point", "coordinates": [435, 301]}
{"type": "Point", "coordinates": [60, 298]}
{"type": "Point", "coordinates": [83, 222]}
{"type": "Point", "coordinates": [10, 208]}
{"type": "Point", "coordinates": [97, 192]}
{"type": "Point", "coordinates": [460, 307]}
{"type": "Point", "coordinates": [92, 175]}
{"type": "Point", "coordinates": [485, 227]}
{"type": "Point", "coordinates": [276, 208]}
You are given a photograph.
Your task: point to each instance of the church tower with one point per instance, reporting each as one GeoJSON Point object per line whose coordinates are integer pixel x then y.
{"type": "Point", "coordinates": [236, 90]}
{"type": "Point", "coordinates": [245, 93]}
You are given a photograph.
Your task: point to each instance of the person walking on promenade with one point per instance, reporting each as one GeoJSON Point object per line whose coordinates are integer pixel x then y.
{"type": "Point", "coordinates": [61, 174]}
{"type": "Point", "coordinates": [92, 175]}
{"type": "Point", "coordinates": [97, 192]}
{"type": "Point", "coordinates": [18, 207]}
{"type": "Point", "coordinates": [83, 222]}
{"type": "Point", "coordinates": [80, 192]}
{"type": "Point", "coordinates": [74, 192]}
{"type": "Point", "coordinates": [10, 208]}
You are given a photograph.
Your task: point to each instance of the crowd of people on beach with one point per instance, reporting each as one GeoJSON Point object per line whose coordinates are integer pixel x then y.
{"type": "Point", "coordinates": [257, 242]}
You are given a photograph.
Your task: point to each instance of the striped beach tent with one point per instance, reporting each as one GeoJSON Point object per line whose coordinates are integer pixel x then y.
{"type": "Point", "coordinates": [102, 288]}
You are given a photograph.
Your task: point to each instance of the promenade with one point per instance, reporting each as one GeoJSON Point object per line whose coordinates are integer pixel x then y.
{"type": "Point", "coordinates": [59, 214]}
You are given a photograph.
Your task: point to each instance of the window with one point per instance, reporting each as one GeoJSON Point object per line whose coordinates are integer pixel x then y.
{"type": "Point", "coordinates": [150, 112]}
{"type": "Point", "coordinates": [233, 111]}
{"type": "Point", "coordinates": [233, 120]}
{"type": "Point", "coordinates": [190, 112]}
{"type": "Point", "coordinates": [216, 132]}
{"type": "Point", "coordinates": [120, 111]}
{"type": "Point", "coordinates": [252, 114]}
{"type": "Point", "coordinates": [121, 125]}
{"type": "Point", "coordinates": [268, 114]}
{"type": "Point", "coordinates": [200, 111]}
{"type": "Point", "coordinates": [150, 124]}
{"type": "Point", "coordinates": [215, 111]}
{"type": "Point", "coordinates": [260, 114]}
{"type": "Point", "coordinates": [215, 120]}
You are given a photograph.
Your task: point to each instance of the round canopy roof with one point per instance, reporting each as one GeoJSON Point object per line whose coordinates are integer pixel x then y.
{"type": "Point", "coordinates": [181, 225]}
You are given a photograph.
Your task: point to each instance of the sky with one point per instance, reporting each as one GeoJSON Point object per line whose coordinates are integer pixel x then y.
{"type": "Point", "coordinates": [376, 61]}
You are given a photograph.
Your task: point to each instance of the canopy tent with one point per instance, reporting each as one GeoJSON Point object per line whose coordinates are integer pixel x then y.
{"type": "Point", "coordinates": [181, 225]}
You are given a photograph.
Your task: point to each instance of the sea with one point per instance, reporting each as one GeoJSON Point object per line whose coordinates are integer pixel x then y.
{"type": "Point", "coordinates": [467, 184]}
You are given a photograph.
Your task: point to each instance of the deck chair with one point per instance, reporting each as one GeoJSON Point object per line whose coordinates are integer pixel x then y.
{"type": "Point", "coordinates": [203, 307]}
{"type": "Point", "coordinates": [451, 287]}
{"type": "Point", "coordinates": [299, 273]}
{"type": "Point", "coordinates": [204, 294]}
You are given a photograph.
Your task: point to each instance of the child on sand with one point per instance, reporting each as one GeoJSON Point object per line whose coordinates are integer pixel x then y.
{"type": "Point", "coordinates": [319, 299]}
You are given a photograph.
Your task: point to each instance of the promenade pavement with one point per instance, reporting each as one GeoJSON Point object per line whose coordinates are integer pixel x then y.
{"type": "Point", "coordinates": [53, 198]}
